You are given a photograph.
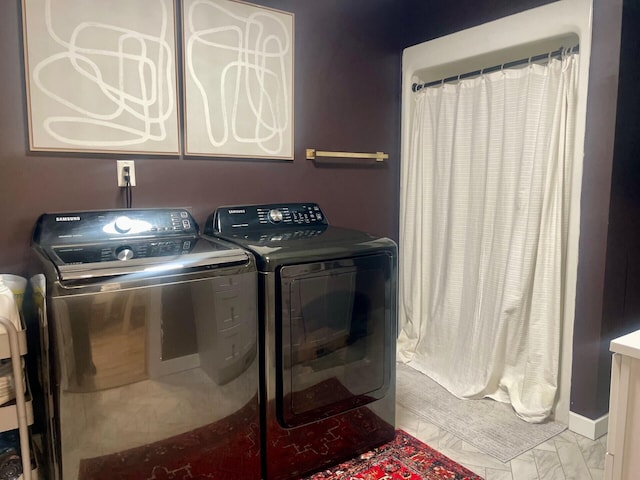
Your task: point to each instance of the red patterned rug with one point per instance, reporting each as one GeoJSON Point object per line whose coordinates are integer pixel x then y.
{"type": "Point", "coordinates": [227, 449]}
{"type": "Point", "coordinates": [404, 458]}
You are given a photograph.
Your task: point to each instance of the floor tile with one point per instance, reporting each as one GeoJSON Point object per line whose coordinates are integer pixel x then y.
{"type": "Point", "coordinates": [524, 469]}
{"type": "Point", "coordinates": [573, 464]}
{"type": "Point", "coordinates": [407, 421]}
{"type": "Point", "coordinates": [498, 475]}
{"type": "Point", "coordinates": [593, 453]}
{"type": "Point", "coordinates": [428, 433]}
{"type": "Point", "coordinates": [548, 465]}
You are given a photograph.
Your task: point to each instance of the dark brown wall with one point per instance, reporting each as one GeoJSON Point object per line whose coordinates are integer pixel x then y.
{"type": "Point", "coordinates": [424, 20]}
{"type": "Point", "coordinates": [621, 302]}
{"type": "Point", "coordinates": [347, 76]}
{"type": "Point", "coordinates": [622, 282]}
{"type": "Point", "coordinates": [591, 357]}
{"type": "Point", "coordinates": [347, 79]}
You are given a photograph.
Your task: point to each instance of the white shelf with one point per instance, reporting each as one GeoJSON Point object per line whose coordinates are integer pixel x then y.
{"type": "Point", "coordinates": [628, 345]}
{"type": "Point", "coordinates": [623, 440]}
{"type": "Point", "coordinates": [34, 474]}
{"type": "Point", "coordinates": [19, 414]}
{"type": "Point", "coordinates": [34, 466]}
{"type": "Point", "coordinates": [5, 349]}
{"type": "Point", "coordinates": [9, 413]}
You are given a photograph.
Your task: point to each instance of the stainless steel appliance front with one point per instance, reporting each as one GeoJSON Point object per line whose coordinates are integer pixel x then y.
{"type": "Point", "coordinates": [328, 330]}
{"type": "Point", "coordinates": [146, 357]}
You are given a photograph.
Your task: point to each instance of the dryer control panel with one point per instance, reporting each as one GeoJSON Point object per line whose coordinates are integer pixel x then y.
{"type": "Point", "coordinates": [234, 219]}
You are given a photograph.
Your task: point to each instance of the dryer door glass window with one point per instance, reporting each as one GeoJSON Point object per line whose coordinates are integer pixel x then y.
{"type": "Point", "coordinates": [334, 336]}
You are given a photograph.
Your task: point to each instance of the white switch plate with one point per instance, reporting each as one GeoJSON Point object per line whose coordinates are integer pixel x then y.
{"type": "Point", "coordinates": [132, 172]}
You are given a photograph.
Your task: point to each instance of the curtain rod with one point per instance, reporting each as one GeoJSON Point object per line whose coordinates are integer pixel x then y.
{"type": "Point", "coordinates": [416, 87]}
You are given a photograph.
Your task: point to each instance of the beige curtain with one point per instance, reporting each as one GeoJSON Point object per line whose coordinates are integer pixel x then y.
{"type": "Point", "coordinates": [483, 227]}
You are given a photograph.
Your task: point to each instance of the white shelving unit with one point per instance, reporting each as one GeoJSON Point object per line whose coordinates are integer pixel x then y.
{"type": "Point", "coordinates": [623, 440]}
{"type": "Point", "coordinates": [13, 344]}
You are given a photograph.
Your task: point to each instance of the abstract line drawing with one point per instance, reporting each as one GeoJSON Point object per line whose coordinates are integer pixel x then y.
{"type": "Point", "coordinates": [102, 75]}
{"type": "Point", "coordinates": [238, 79]}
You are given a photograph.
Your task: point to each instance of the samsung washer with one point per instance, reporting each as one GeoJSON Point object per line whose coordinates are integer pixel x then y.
{"type": "Point", "coordinates": [149, 359]}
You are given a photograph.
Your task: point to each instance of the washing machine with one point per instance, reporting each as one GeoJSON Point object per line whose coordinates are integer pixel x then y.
{"type": "Point", "coordinates": [327, 329]}
{"type": "Point", "coordinates": [149, 348]}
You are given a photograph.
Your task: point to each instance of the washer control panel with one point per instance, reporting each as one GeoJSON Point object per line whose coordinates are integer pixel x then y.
{"type": "Point", "coordinates": [108, 235]}
{"type": "Point", "coordinates": [99, 226]}
{"type": "Point", "coordinates": [265, 217]}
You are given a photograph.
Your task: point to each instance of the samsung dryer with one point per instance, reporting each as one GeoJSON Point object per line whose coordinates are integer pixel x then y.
{"type": "Point", "coordinates": [327, 319]}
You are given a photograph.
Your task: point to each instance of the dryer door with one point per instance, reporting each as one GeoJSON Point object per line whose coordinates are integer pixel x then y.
{"type": "Point", "coordinates": [334, 335]}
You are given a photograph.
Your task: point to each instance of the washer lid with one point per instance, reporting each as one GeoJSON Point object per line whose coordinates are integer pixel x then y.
{"type": "Point", "coordinates": [191, 253]}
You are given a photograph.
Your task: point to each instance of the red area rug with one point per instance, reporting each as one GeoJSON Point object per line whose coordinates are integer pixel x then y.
{"type": "Point", "coordinates": [404, 458]}
{"type": "Point", "coordinates": [226, 450]}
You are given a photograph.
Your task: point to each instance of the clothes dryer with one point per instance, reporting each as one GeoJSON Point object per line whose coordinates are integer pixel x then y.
{"type": "Point", "coordinates": [327, 323]}
{"type": "Point", "coordinates": [149, 359]}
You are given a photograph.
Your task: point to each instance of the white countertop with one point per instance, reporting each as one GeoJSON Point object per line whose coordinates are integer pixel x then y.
{"type": "Point", "coordinates": [627, 344]}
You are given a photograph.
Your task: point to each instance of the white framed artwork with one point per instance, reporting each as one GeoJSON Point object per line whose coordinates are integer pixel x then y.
{"type": "Point", "coordinates": [101, 76]}
{"type": "Point", "coordinates": [238, 79]}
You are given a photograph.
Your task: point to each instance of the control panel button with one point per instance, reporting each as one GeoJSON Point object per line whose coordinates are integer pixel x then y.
{"type": "Point", "coordinates": [275, 215]}
{"type": "Point", "coordinates": [124, 253]}
{"type": "Point", "coordinates": [123, 224]}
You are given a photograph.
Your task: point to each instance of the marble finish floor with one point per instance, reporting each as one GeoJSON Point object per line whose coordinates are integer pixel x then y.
{"type": "Point", "coordinates": [565, 456]}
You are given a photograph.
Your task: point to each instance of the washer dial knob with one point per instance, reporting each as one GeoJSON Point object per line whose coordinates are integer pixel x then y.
{"type": "Point", "coordinates": [123, 224]}
{"type": "Point", "coordinates": [124, 253]}
{"type": "Point", "coordinates": [275, 215]}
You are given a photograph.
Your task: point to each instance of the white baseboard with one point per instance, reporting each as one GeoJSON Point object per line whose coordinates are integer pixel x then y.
{"type": "Point", "coordinates": [588, 428]}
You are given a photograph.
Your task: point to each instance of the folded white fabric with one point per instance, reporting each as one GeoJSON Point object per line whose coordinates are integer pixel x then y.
{"type": "Point", "coordinates": [7, 381]}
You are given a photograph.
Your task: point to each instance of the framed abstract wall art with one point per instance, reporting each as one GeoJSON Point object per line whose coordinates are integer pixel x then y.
{"type": "Point", "coordinates": [101, 75]}
{"type": "Point", "coordinates": [238, 79]}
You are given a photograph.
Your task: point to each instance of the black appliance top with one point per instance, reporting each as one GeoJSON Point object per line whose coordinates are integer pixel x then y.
{"type": "Point", "coordinates": [285, 234]}
{"type": "Point", "coordinates": [110, 242]}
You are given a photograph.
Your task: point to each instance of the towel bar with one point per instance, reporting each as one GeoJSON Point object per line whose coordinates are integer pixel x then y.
{"type": "Point", "coordinates": [312, 154]}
